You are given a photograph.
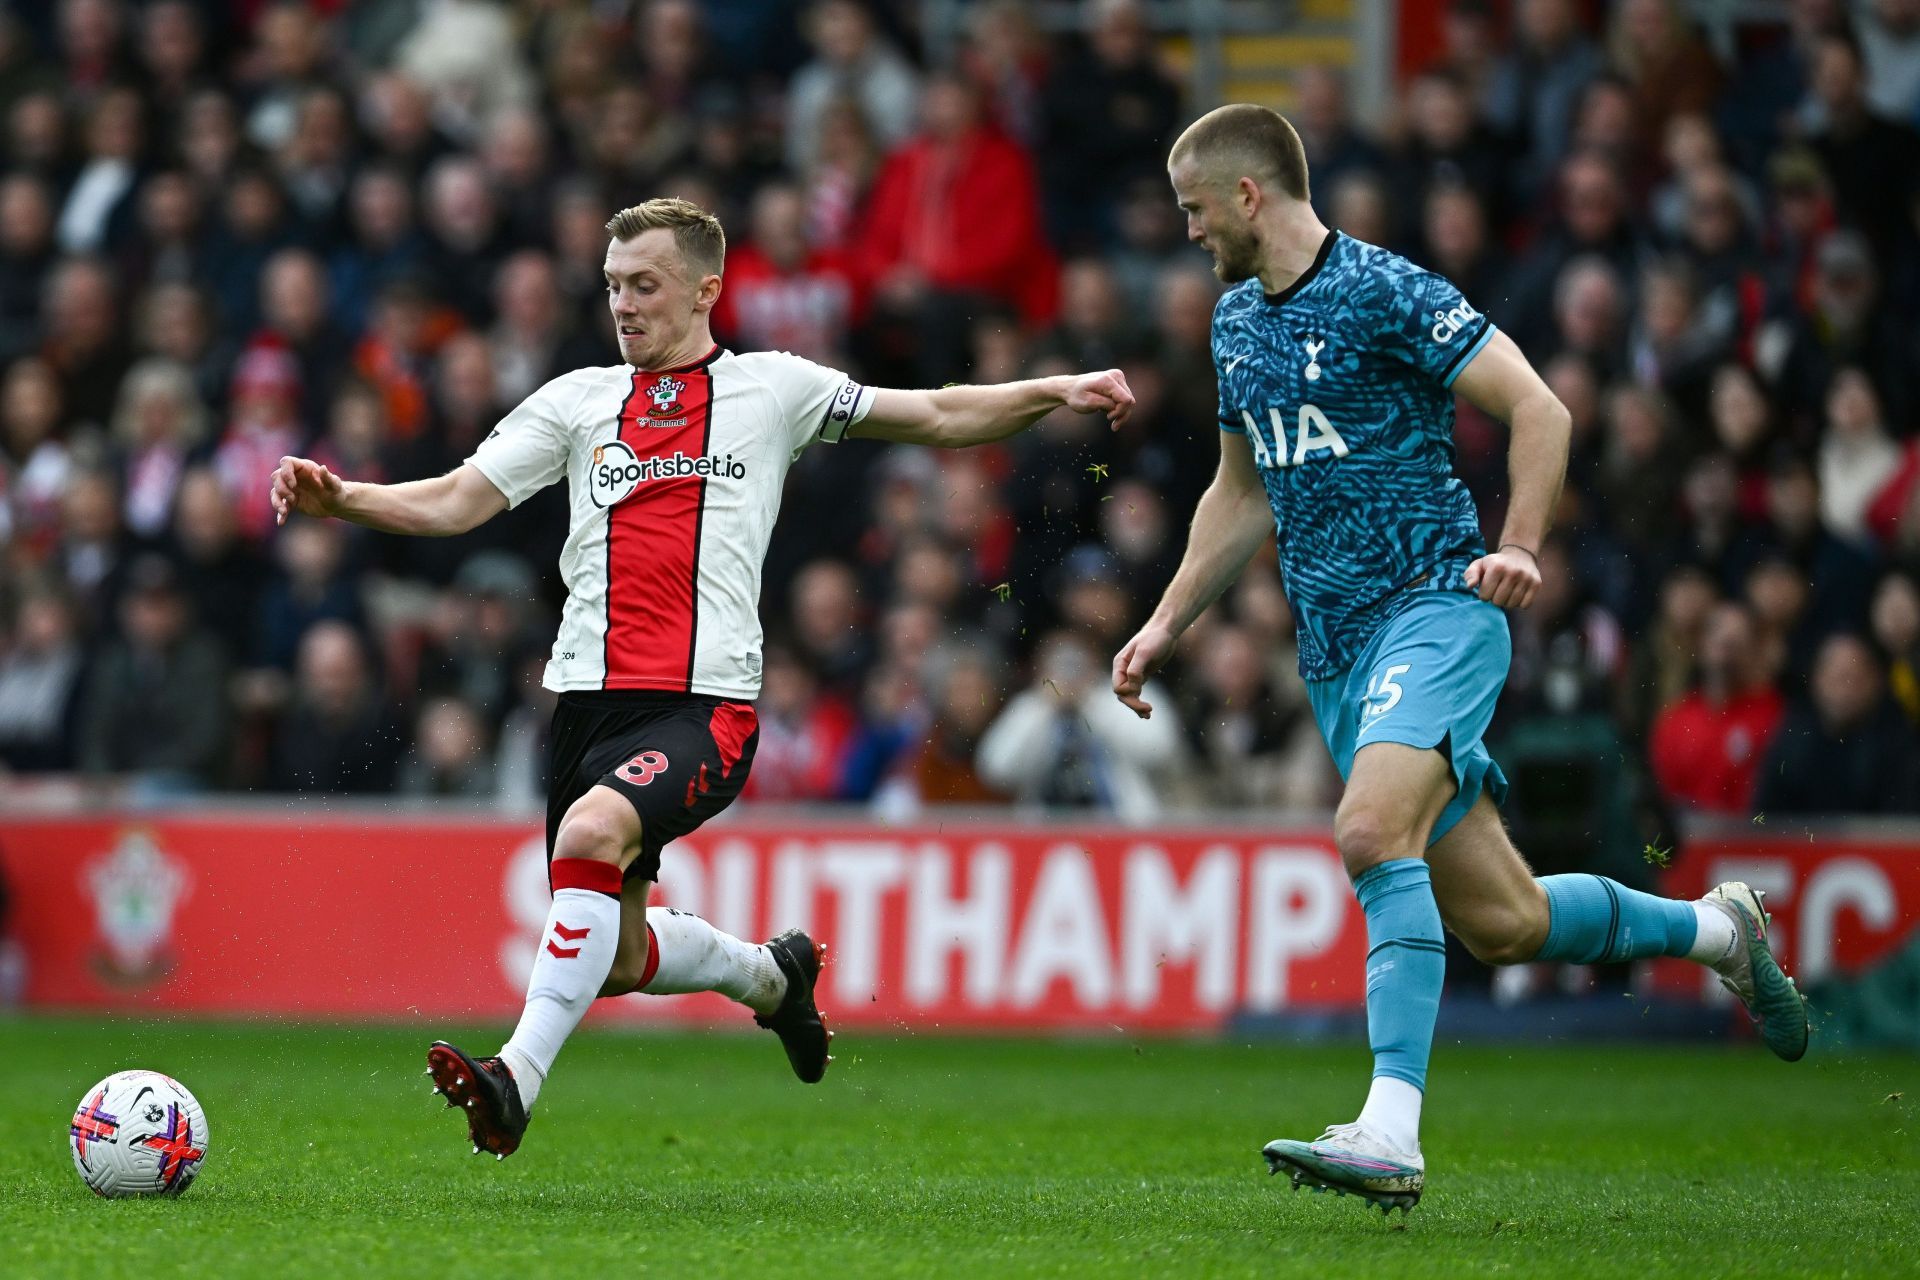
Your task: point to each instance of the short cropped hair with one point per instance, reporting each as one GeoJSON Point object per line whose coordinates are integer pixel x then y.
{"type": "Point", "coordinates": [1253, 141]}
{"type": "Point", "coordinates": [696, 232]}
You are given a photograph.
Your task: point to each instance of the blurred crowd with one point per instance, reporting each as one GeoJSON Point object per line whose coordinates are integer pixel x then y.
{"type": "Point", "coordinates": [231, 230]}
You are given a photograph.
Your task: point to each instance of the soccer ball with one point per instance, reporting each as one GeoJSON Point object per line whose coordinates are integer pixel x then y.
{"type": "Point", "coordinates": [138, 1133]}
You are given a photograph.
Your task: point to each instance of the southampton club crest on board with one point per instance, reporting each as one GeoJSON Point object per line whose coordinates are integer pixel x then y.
{"type": "Point", "coordinates": [135, 889]}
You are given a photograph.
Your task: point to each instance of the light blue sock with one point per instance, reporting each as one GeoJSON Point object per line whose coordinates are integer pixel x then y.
{"type": "Point", "coordinates": [1594, 920]}
{"type": "Point", "coordinates": [1406, 965]}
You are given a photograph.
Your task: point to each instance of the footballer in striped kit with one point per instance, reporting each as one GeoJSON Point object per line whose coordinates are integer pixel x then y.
{"type": "Point", "coordinates": [674, 462]}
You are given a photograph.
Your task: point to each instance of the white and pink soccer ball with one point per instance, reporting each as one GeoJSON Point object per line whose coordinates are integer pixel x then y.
{"type": "Point", "coordinates": [138, 1133]}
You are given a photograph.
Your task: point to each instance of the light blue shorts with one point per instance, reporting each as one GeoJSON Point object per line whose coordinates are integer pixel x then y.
{"type": "Point", "coordinates": [1428, 678]}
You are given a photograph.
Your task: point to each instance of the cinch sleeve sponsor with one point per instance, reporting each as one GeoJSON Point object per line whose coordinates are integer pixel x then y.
{"type": "Point", "coordinates": [528, 450]}
{"type": "Point", "coordinates": [1428, 323]}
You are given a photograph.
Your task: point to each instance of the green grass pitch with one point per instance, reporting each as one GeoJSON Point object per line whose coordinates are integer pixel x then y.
{"type": "Point", "coordinates": [700, 1156]}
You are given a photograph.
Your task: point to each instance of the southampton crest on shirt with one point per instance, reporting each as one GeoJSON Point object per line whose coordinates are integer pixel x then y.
{"type": "Point", "coordinates": [666, 397]}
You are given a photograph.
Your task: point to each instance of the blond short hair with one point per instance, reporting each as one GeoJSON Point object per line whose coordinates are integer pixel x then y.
{"type": "Point", "coordinates": [157, 374]}
{"type": "Point", "coordinates": [696, 232]}
{"type": "Point", "coordinates": [1244, 140]}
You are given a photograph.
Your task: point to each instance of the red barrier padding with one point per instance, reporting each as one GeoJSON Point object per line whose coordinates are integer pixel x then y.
{"type": "Point", "coordinates": [955, 925]}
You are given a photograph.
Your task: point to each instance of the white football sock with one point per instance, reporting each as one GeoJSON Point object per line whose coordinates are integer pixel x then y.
{"type": "Point", "coordinates": [1393, 1112]}
{"type": "Point", "coordinates": [1714, 934]}
{"type": "Point", "coordinates": [575, 956]}
{"type": "Point", "coordinates": [692, 955]}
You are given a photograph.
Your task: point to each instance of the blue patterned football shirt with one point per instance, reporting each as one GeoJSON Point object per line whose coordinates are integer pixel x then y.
{"type": "Point", "coordinates": [1342, 385]}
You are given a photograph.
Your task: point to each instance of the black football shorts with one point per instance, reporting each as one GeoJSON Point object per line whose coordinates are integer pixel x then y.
{"type": "Point", "coordinates": [678, 759]}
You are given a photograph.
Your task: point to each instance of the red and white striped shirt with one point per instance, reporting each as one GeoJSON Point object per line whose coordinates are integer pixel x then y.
{"type": "Point", "coordinates": [675, 478]}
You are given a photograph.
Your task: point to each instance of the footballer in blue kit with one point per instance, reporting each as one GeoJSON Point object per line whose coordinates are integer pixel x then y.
{"type": "Point", "coordinates": [1338, 363]}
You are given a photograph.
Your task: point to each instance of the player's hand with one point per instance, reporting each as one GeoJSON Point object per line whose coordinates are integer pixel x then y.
{"type": "Point", "coordinates": [1145, 654]}
{"type": "Point", "coordinates": [1104, 392]}
{"type": "Point", "coordinates": [1508, 577]}
{"type": "Point", "coordinates": [300, 484]}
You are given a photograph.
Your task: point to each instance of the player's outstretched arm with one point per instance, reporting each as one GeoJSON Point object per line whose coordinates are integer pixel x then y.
{"type": "Point", "coordinates": [1500, 382]}
{"type": "Point", "coordinates": [1229, 525]}
{"type": "Point", "coordinates": [956, 417]}
{"type": "Point", "coordinates": [448, 504]}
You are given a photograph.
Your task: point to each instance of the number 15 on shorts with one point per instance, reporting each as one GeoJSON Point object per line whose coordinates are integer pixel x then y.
{"type": "Point", "coordinates": [1384, 692]}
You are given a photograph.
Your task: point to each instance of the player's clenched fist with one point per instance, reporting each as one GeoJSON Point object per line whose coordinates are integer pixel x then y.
{"type": "Point", "coordinates": [300, 484]}
{"type": "Point", "coordinates": [1508, 577]}
{"type": "Point", "coordinates": [1145, 654]}
{"type": "Point", "coordinates": [1104, 392]}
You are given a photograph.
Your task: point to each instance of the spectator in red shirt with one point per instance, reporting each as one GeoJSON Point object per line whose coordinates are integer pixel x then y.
{"type": "Point", "coordinates": [263, 426]}
{"type": "Point", "coordinates": [805, 734]}
{"type": "Point", "coordinates": [396, 354]}
{"type": "Point", "coordinates": [1706, 748]}
{"type": "Point", "coordinates": [782, 295]}
{"type": "Point", "coordinates": [955, 219]}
